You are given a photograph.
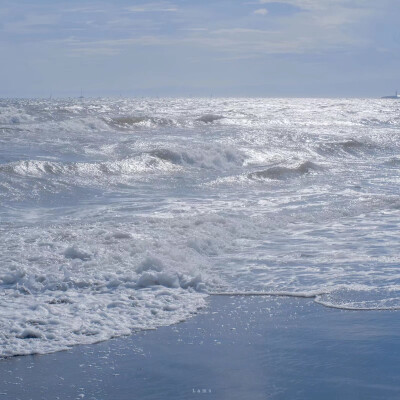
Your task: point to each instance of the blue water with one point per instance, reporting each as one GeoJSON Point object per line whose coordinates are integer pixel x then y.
{"type": "Point", "coordinates": [242, 348]}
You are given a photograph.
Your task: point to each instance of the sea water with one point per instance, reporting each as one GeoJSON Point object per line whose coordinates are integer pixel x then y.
{"type": "Point", "coordinates": [125, 214]}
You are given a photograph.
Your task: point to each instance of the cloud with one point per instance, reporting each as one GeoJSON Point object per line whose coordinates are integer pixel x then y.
{"type": "Point", "coordinates": [31, 23]}
{"type": "Point", "coordinates": [320, 5]}
{"type": "Point", "coordinates": [152, 7]}
{"type": "Point", "coordinates": [194, 29]}
{"type": "Point", "coordinates": [261, 11]}
{"type": "Point", "coordinates": [231, 31]}
{"type": "Point", "coordinates": [236, 43]}
{"type": "Point", "coordinates": [94, 51]}
{"type": "Point", "coordinates": [319, 26]}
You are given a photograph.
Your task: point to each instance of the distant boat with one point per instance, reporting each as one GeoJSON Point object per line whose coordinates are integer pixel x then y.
{"type": "Point", "coordinates": [396, 96]}
{"type": "Point", "coordinates": [81, 96]}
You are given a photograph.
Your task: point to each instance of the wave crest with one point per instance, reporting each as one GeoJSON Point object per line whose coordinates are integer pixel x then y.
{"type": "Point", "coordinates": [39, 168]}
{"type": "Point", "coordinates": [346, 147]}
{"type": "Point", "coordinates": [209, 118]}
{"type": "Point", "coordinates": [128, 122]}
{"type": "Point", "coordinates": [279, 172]}
{"type": "Point", "coordinates": [216, 157]}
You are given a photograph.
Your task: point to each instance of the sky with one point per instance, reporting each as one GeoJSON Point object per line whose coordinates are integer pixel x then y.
{"type": "Point", "coordinates": [263, 48]}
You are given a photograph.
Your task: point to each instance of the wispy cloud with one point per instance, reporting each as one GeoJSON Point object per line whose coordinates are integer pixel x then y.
{"type": "Point", "coordinates": [261, 11]}
{"type": "Point", "coordinates": [106, 29]}
{"type": "Point", "coordinates": [152, 7]}
{"type": "Point", "coordinates": [198, 41]}
{"type": "Point", "coordinates": [322, 27]}
{"type": "Point", "coordinates": [234, 43]}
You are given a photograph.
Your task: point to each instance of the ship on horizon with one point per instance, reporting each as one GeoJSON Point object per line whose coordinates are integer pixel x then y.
{"type": "Point", "coordinates": [396, 96]}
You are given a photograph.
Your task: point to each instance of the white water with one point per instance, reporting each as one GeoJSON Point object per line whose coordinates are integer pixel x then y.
{"type": "Point", "coordinates": [119, 215]}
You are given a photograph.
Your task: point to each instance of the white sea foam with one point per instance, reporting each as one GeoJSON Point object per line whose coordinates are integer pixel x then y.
{"type": "Point", "coordinates": [122, 214]}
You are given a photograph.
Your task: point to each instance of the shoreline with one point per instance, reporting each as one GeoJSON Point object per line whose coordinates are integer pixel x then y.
{"type": "Point", "coordinates": [253, 347]}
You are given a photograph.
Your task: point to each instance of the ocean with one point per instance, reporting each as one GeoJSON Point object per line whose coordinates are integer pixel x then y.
{"type": "Point", "coordinates": [120, 215]}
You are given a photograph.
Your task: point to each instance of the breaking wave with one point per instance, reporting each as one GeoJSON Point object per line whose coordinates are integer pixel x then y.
{"type": "Point", "coordinates": [161, 159]}
{"type": "Point", "coordinates": [127, 122]}
{"type": "Point", "coordinates": [347, 147]}
{"type": "Point", "coordinates": [37, 168]}
{"type": "Point", "coordinates": [279, 172]}
{"type": "Point", "coordinates": [216, 157]}
{"type": "Point", "coordinates": [209, 118]}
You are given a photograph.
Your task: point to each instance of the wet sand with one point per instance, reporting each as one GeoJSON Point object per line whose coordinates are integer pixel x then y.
{"type": "Point", "coordinates": [238, 348]}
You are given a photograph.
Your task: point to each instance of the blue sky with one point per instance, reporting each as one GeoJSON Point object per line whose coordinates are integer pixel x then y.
{"type": "Point", "coordinates": [199, 48]}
